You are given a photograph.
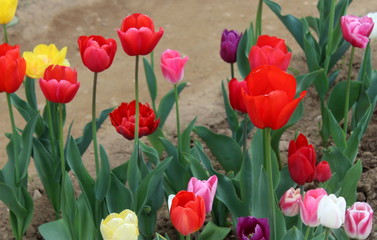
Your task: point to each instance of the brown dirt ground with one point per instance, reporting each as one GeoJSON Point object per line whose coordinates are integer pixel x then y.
{"type": "Point", "coordinates": [192, 27]}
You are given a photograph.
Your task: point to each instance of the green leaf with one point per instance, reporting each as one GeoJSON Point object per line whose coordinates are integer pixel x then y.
{"type": "Point", "coordinates": [243, 64]}
{"type": "Point", "coordinates": [23, 107]}
{"type": "Point", "coordinates": [151, 79]}
{"type": "Point", "coordinates": [133, 171]}
{"type": "Point", "coordinates": [320, 236]}
{"type": "Point", "coordinates": [285, 182]}
{"type": "Point", "coordinates": [150, 152]}
{"type": "Point", "coordinates": [293, 234]}
{"type": "Point", "coordinates": [336, 131]}
{"type": "Point", "coordinates": [9, 198]}
{"type": "Point", "coordinates": [231, 115]}
{"type": "Point", "coordinates": [55, 230]}
{"type": "Point", "coordinates": [159, 237]}
{"type": "Point", "coordinates": [29, 84]}
{"type": "Point", "coordinates": [349, 184]}
{"type": "Point", "coordinates": [103, 181]}
{"type": "Point", "coordinates": [214, 232]}
{"type": "Point", "coordinates": [118, 197]}
{"type": "Point", "coordinates": [185, 137]}
{"type": "Point", "coordinates": [318, 77]}
{"type": "Point", "coordinates": [196, 166]}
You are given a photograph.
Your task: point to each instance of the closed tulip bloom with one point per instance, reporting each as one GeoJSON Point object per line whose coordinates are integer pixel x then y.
{"type": "Point", "coordinates": [356, 30]}
{"type": "Point", "coordinates": [59, 84]}
{"type": "Point", "coordinates": [7, 10]}
{"type": "Point", "coordinates": [235, 88]}
{"type": "Point", "coordinates": [12, 68]}
{"type": "Point", "coordinates": [359, 220]}
{"type": "Point", "coordinates": [322, 172]}
{"type": "Point", "coordinates": [373, 16]}
{"type": "Point", "coordinates": [120, 226]}
{"type": "Point", "coordinates": [123, 119]}
{"type": "Point", "coordinates": [309, 206]}
{"type": "Point", "coordinates": [187, 212]}
{"type": "Point", "coordinates": [270, 100]}
{"type": "Point", "coordinates": [251, 228]}
{"type": "Point", "coordinates": [331, 211]}
{"type": "Point", "coordinates": [172, 65]}
{"type": "Point", "coordinates": [269, 51]}
{"type": "Point", "coordinates": [97, 53]}
{"type": "Point", "coordinates": [204, 188]}
{"type": "Point", "coordinates": [43, 56]}
{"type": "Point", "coordinates": [137, 34]}
{"type": "Point", "coordinates": [229, 44]}
{"type": "Point", "coordinates": [290, 202]}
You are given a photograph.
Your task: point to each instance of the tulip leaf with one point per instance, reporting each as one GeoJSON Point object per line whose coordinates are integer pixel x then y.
{"type": "Point", "coordinates": [311, 50]}
{"type": "Point", "coordinates": [102, 183]}
{"type": "Point", "coordinates": [243, 53]}
{"type": "Point", "coordinates": [365, 71]}
{"type": "Point", "coordinates": [133, 171]}
{"type": "Point", "coordinates": [151, 81]}
{"type": "Point", "coordinates": [159, 237]}
{"type": "Point", "coordinates": [185, 137]}
{"type": "Point", "coordinates": [196, 166]}
{"type": "Point", "coordinates": [213, 232]}
{"type": "Point", "coordinates": [22, 106]}
{"type": "Point", "coordinates": [151, 153]}
{"type": "Point", "coordinates": [55, 230]}
{"type": "Point", "coordinates": [154, 140]}
{"type": "Point", "coordinates": [321, 236]}
{"type": "Point", "coordinates": [285, 182]}
{"type": "Point", "coordinates": [349, 184]}
{"type": "Point", "coordinates": [85, 227]}
{"type": "Point", "coordinates": [9, 198]}
{"type": "Point", "coordinates": [118, 197]}
{"type": "Point", "coordinates": [29, 84]}
{"type": "Point", "coordinates": [225, 149]}
{"type": "Point", "coordinates": [305, 81]}
{"type": "Point", "coordinates": [336, 131]}
{"type": "Point", "coordinates": [340, 234]}
{"type": "Point", "coordinates": [231, 115]}
{"type": "Point", "coordinates": [293, 234]}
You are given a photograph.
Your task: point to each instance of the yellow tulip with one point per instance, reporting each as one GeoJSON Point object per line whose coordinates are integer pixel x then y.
{"type": "Point", "coordinates": [7, 10]}
{"type": "Point", "coordinates": [43, 56]}
{"type": "Point", "coordinates": [122, 226]}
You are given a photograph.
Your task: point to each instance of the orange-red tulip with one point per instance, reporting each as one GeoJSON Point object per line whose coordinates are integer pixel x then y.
{"type": "Point", "coordinates": [12, 68]}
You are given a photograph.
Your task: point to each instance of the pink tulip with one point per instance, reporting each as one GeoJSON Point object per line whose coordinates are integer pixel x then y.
{"type": "Point", "coordinates": [290, 202]}
{"type": "Point", "coordinates": [172, 65]}
{"type": "Point", "coordinates": [204, 188]}
{"type": "Point", "coordinates": [358, 221]}
{"type": "Point", "coordinates": [356, 30]}
{"type": "Point", "coordinates": [309, 206]}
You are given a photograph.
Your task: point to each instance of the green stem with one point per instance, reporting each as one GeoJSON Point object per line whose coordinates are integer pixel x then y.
{"type": "Point", "coordinates": [268, 164]}
{"type": "Point", "coordinates": [136, 137]}
{"type": "Point", "coordinates": [14, 138]}
{"type": "Point", "coordinates": [188, 237]}
{"type": "Point", "coordinates": [327, 234]}
{"type": "Point", "coordinates": [5, 33]}
{"type": "Point", "coordinates": [346, 103]}
{"type": "Point", "coordinates": [61, 143]}
{"type": "Point", "coordinates": [51, 129]}
{"type": "Point", "coordinates": [178, 123]}
{"type": "Point", "coordinates": [244, 133]}
{"type": "Point", "coordinates": [258, 20]}
{"type": "Point", "coordinates": [232, 70]}
{"type": "Point", "coordinates": [329, 47]}
{"type": "Point", "coordinates": [152, 60]}
{"type": "Point", "coordinates": [94, 123]}
{"type": "Point", "coordinates": [307, 233]}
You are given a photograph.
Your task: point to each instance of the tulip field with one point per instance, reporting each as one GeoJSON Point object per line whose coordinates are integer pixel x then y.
{"type": "Point", "coordinates": [202, 120]}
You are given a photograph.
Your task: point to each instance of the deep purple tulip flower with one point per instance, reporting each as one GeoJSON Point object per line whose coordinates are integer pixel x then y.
{"type": "Point", "coordinates": [229, 44]}
{"type": "Point", "coordinates": [251, 228]}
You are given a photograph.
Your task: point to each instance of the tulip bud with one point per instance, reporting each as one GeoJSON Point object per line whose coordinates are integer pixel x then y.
{"type": "Point", "coordinates": [322, 172]}
{"type": "Point", "coordinates": [358, 221]}
{"type": "Point", "coordinates": [290, 202]}
{"type": "Point", "coordinates": [118, 226]}
{"type": "Point", "coordinates": [309, 206]}
{"type": "Point", "coordinates": [229, 44]}
{"type": "Point", "coordinates": [8, 10]}
{"type": "Point", "coordinates": [205, 188]}
{"type": "Point", "coordinates": [356, 30]}
{"type": "Point", "coordinates": [235, 94]}
{"type": "Point", "coordinates": [331, 211]}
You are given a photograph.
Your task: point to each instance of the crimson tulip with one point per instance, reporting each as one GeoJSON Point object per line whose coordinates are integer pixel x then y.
{"type": "Point", "coordinates": [235, 94]}
{"type": "Point", "coordinates": [123, 119]}
{"type": "Point", "coordinates": [59, 84]}
{"type": "Point", "coordinates": [270, 98]}
{"type": "Point", "coordinates": [187, 212]}
{"type": "Point", "coordinates": [269, 51]}
{"type": "Point", "coordinates": [12, 68]}
{"type": "Point", "coordinates": [137, 34]}
{"type": "Point", "coordinates": [97, 53]}
{"type": "Point", "coordinates": [356, 30]}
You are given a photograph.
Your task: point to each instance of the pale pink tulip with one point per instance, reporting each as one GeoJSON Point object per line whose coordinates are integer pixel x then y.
{"type": "Point", "coordinates": [172, 65]}
{"type": "Point", "coordinates": [331, 211]}
{"type": "Point", "coordinates": [204, 188]}
{"type": "Point", "coordinates": [356, 30]}
{"type": "Point", "coordinates": [309, 206]}
{"type": "Point", "coordinates": [358, 221]}
{"type": "Point", "coordinates": [290, 202]}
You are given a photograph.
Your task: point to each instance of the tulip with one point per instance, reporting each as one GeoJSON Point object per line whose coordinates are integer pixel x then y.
{"type": "Point", "coordinates": [373, 16]}
{"type": "Point", "coordinates": [356, 30]}
{"type": "Point", "coordinates": [309, 206]}
{"type": "Point", "coordinates": [301, 160]}
{"type": "Point", "coordinates": [270, 101]}
{"type": "Point", "coordinates": [229, 44]}
{"type": "Point", "coordinates": [123, 119]}
{"type": "Point", "coordinates": [290, 202]}
{"type": "Point", "coordinates": [43, 56]}
{"type": "Point", "coordinates": [359, 220]}
{"type": "Point", "coordinates": [251, 228]}
{"type": "Point", "coordinates": [204, 188]}
{"type": "Point", "coordinates": [322, 172]}
{"type": "Point", "coordinates": [137, 34]}
{"type": "Point", "coordinates": [172, 65]}
{"type": "Point", "coordinates": [7, 10]}
{"type": "Point", "coordinates": [331, 211]}
{"type": "Point", "coordinates": [97, 53]}
{"type": "Point", "coordinates": [235, 94]}
{"type": "Point", "coordinates": [269, 51]}
{"type": "Point", "coordinates": [120, 226]}
{"type": "Point", "coordinates": [12, 68]}
{"type": "Point", "coordinates": [59, 84]}
{"type": "Point", "coordinates": [187, 212]}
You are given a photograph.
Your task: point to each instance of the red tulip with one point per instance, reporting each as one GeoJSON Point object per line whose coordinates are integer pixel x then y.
{"type": "Point", "coordinates": [270, 99]}
{"type": "Point", "coordinates": [137, 34]}
{"type": "Point", "coordinates": [12, 68]}
{"type": "Point", "coordinates": [59, 84]}
{"type": "Point", "coordinates": [235, 94]}
{"type": "Point", "coordinates": [97, 53]}
{"type": "Point", "coordinates": [123, 119]}
{"type": "Point", "coordinates": [269, 51]}
{"type": "Point", "coordinates": [187, 212]}
{"type": "Point", "coordinates": [322, 172]}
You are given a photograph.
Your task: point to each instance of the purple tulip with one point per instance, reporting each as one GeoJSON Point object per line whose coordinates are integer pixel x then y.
{"type": "Point", "coordinates": [251, 228]}
{"type": "Point", "coordinates": [204, 188]}
{"type": "Point", "coordinates": [229, 45]}
{"type": "Point", "coordinates": [356, 30]}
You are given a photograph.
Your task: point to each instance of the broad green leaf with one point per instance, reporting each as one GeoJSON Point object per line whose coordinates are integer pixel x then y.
{"type": "Point", "coordinates": [103, 180]}
{"type": "Point", "coordinates": [9, 198]}
{"type": "Point", "coordinates": [85, 225]}
{"type": "Point", "coordinates": [285, 182]}
{"type": "Point", "coordinates": [29, 84]}
{"type": "Point", "coordinates": [150, 152]}
{"type": "Point", "coordinates": [23, 107]}
{"type": "Point", "coordinates": [231, 115]}
{"type": "Point", "coordinates": [243, 55]}
{"type": "Point", "coordinates": [293, 234]}
{"type": "Point", "coordinates": [196, 166]}
{"type": "Point", "coordinates": [133, 172]}
{"type": "Point", "coordinates": [151, 80]}
{"type": "Point", "coordinates": [213, 232]}
{"type": "Point", "coordinates": [185, 137]}
{"type": "Point", "coordinates": [56, 230]}
{"type": "Point", "coordinates": [336, 131]}
{"type": "Point", "coordinates": [118, 197]}
{"type": "Point", "coordinates": [305, 81]}
{"type": "Point", "coordinates": [166, 104]}
{"type": "Point", "coordinates": [349, 184]}
{"type": "Point", "coordinates": [154, 140]}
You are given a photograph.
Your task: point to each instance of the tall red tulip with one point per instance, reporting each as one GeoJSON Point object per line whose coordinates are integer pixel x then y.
{"type": "Point", "coordinates": [235, 94]}
{"type": "Point", "coordinates": [59, 84]}
{"type": "Point", "coordinates": [187, 212]}
{"type": "Point", "coordinates": [12, 68]}
{"type": "Point", "coordinates": [97, 53]}
{"type": "Point", "coordinates": [270, 100]}
{"type": "Point", "coordinates": [137, 34]}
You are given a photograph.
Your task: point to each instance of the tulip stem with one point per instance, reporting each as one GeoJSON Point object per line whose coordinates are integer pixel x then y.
{"type": "Point", "coordinates": [61, 143]}
{"type": "Point", "coordinates": [136, 133]}
{"type": "Point", "coordinates": [232, 70]}
{"type": "Point", "coordinates": [5, 33]}
{"type": "Point", "coordinates": [327, 234]}
{"type": "Point", "coordinates": [307, 232]}
{"type": "Point", "coordinates": [346, 102]}
{"type": "Point", "coordinates": [268, 165]}
{"type": "Point", "coordinates": [188, 237]}
{"type": "Point", "coordinates": [178, 123]}
{"type": "Point", "coordinates": [14, 138]}
{"type": "Point", "coordinates": [258, 20]}
{"type": "Point", "coordinates": [94, 123]}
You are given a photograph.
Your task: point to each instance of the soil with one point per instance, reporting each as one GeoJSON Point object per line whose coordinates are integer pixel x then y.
{"type": "Point", "coordinates": [192, 27]}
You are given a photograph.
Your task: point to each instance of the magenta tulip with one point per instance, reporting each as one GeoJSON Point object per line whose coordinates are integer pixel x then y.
{"type": "Point", "coordinates": [172, 65]}
{"type": "Point", "coordinates": [290, 202]}
{"type": "Point", "coordinates": [358, 221]}
{"type": "Point", "coordinates": [204, 188]}
{"type": "Point", "coordinates": [309, 206]}
{"type": "Point", "coordinates": [356, 30]}
{"type": "Point", "coordinates": [229, 44]}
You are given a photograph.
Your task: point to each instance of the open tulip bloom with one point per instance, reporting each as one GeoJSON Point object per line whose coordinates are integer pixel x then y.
{"type": "Point", "coordinates": [356, 30]}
